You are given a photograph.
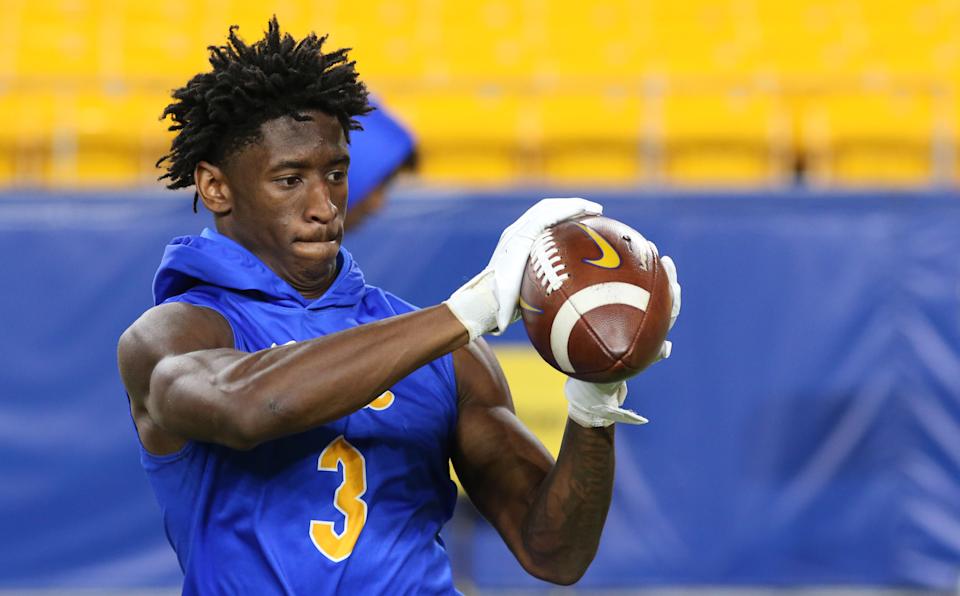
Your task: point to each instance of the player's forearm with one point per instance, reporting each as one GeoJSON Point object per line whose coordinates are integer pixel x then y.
{"type": "Point", "coordinates": [303, 386]}
{"type": "Point", "coordinates": [289, 389]}
{"type": "Point", "coordinates": [563, 526]}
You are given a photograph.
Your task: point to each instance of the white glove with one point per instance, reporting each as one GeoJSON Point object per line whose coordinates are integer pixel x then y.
{"type": "Point", "coordinates": [671, 269]}
{"type": "Point", "coordinates": [490, 301]}
{"type": "Point", "coordinates": [596, 405]}
{"type": "Point", "coordinates": [475, 304]}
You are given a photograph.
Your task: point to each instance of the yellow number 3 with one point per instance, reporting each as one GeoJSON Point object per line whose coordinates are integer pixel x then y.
{"type": "Point", "coordinates": [334, 546]}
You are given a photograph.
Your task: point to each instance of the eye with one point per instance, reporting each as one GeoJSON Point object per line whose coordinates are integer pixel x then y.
{"type": "Point", "coordinates": [337, 176]}
{"type": "Point", "coordinates": [288, 181]}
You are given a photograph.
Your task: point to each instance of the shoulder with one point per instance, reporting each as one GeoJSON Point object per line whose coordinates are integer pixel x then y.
{"type": "Point", "coordinates": [166, 330]}
{"type": "Point", "coordinates": [177, 323]}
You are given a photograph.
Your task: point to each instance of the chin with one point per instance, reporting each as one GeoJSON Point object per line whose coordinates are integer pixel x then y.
{"type": "Point", "coordinates": [314, 262]}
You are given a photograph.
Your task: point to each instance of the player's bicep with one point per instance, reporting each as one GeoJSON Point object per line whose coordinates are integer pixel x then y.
{"type": "Point", "coordinates": [500, 463]}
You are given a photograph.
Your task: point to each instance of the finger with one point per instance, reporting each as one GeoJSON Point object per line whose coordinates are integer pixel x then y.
{"type": "Point", "coordinates": [547, 213]}
{"type": "Point", "coordinates": [675, 291]}
{"type": "Point", "coordinates": [583, 205]}
{"type": "Point", "coordinates": [675, 311]}
{"type": "Point", "coordinates": [557, 210]}
{"type": "Point", "coordinates": [666, 349]}
{"type": "Point", "coordinates": [508, 280]}
{"type": "Point", "coordinates": [619, 414]}
{"type": "Point", "coordinates": [505, 317]}
{"type": "Point", "coordinates": [670, 267]}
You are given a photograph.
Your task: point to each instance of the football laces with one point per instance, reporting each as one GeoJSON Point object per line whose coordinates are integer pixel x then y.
{"type": "Point", "coordinates": [547, 264]}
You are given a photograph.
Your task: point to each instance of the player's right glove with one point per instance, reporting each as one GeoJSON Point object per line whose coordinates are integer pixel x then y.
{"type": "Point", "coordinates": [598, 404]}
{"type": "Point", "coordinates": [675, 294]}
{"type": "Point", "coordinates": [490, 301]}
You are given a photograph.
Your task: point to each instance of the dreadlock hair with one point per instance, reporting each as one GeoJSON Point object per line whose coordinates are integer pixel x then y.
{"type": "Point", "coordinates": [218, 112]}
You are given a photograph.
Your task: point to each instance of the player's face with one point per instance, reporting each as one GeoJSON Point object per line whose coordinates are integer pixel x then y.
{"type": "Point", "coordinates": [290, 198]}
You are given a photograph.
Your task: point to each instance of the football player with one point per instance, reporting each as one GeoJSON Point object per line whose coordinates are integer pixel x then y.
{"type": "Point", "coordinates": [295, 423]}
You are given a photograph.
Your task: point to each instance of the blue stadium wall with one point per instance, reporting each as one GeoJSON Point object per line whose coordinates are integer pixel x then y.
{"type": "Point", "coordinates": [806, 430]}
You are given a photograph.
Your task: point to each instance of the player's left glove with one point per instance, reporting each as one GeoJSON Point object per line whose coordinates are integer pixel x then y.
{"type": "Point", "coordinates": [490, 301]}
{"type": "Point", "coordinates": [597, 405]}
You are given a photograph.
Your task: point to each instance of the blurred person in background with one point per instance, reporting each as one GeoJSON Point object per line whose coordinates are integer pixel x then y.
{"type": "Point", "coordinates": [379, 152]}
{"type": "Point", "coordinates": [297, 424]}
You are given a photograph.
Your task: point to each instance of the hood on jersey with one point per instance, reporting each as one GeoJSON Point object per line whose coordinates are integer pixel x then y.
{"type": "Point", "coordinates": [213, 259]}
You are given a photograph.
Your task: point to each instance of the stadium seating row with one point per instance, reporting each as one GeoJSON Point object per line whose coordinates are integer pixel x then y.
{"type": "Point", "coordinates": [734, 138]}
{"type": "Point", "coordinates": [128, 40]}
{"type": "Point", "coordinates": [696, 92]}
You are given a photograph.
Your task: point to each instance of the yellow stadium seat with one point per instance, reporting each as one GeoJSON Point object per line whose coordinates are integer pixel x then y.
{"type": "Point", "coordinates": [156, 40]}
{"type": "Point", "coordinates": [8, 145]}
{"type": "Point", "coordinates": [27, 134]}
{"type": "Point", "coordinates": [613, 164]}
{"type": "Point", "coordinates": [96, 149]}
{"type": "Point", "coordinates": [10, 25]}
{"type": "Point", "coordinates": [465, 137]}
{"type": "Point", "coordinates": [492, 116]}
{"type": "Point", "coordinates": [385, 37]}
{"type": "Point", "coordinates": [474, 166]}
{"type": "Point", "coordinates": [697, 39]}
{"type": "Point", "coordinates": [58, 46]}
{"type": "Point", "coordinates": [112, 140]}
{"type": "Point", "coordinates": [728, 139]}
{"type": "Point", "coordinates": [590, 137]}
{"type": "Point", "coordinates": [872, 139]}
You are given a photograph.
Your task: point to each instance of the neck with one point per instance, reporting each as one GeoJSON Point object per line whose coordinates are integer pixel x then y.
{"type": "Point", "coordinates": [311, 285]}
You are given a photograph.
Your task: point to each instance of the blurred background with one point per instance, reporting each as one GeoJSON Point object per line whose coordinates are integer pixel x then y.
{"type": "Point", "coordinates": [751, 93]}
{"type": "Point", "coordinates": [797, 159]}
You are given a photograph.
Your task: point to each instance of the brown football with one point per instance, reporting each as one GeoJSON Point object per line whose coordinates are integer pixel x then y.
{"type": "Point", "coordinates": [595, 299]}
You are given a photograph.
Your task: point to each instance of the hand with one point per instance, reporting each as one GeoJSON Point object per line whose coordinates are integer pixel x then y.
{"type": "Point", "coordinates": [598, 405]}
{"type": "Point", "coordinates": [671, 269]}
{"type": "Point", "coordinates": [490, 301]}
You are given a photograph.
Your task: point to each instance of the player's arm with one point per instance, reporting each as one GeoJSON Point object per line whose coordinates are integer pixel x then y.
{"type": "Point", "coordinates": [550, 514]}
{"type": "Point", "coordinates": [185, 380]}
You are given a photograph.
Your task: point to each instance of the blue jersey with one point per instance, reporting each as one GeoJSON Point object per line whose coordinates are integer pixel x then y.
{"type": "Point", "coordinates": [352, 507]}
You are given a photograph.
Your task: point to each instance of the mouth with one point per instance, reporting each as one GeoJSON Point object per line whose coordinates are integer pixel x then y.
{"type": "Point", "coordinates": [317, 239]}
{"type": "Point", "coordinates": [317, 246]}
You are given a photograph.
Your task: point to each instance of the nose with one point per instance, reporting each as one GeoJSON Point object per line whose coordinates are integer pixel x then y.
{"type": "Point", "coordinates": [319, 205]}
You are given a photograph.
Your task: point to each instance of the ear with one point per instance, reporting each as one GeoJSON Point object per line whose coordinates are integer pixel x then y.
{"type": "Point", "coordinates": [212, 185]}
